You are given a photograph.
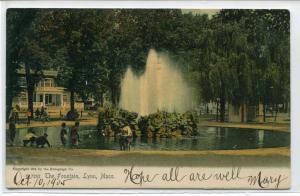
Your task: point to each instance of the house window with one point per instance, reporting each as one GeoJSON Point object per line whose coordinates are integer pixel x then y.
{"type": "Point", "coordinates": [53, 99]}
{"type": "Point", "coordinates": [58, 100]}
{"type": "Point", "coordinates": [41, 98]}
{"type": "Point", "coordinates": [47, 82]}
{"type": "Point", "coordinates": [48, 99]}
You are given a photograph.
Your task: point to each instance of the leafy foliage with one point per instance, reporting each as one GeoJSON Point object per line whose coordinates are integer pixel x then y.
{"type": "Point", "coordinates": [236, 56]}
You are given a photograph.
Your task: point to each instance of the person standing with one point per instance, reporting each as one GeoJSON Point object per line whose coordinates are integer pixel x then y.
{"type": "Point", "coordinates": [63, 134]}
{"type": "Point", "coordinates": [13, 114]}
{"type": "Point", "coordinates": [28, 116]}
{"type": "Point", "coordinates": [127, 136]}
{"type": "Point", "coordinates": [75, 135]}
{"type": "Point", "coordinates": [17, 113]}
{"type": "Point", "coordinates": [12, 130]}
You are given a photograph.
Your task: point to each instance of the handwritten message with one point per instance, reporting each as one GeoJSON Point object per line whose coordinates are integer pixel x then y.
{"type": "Point", "coordinates": [146, 177]}
{"type": "Point", "coordinates": [234, 174]}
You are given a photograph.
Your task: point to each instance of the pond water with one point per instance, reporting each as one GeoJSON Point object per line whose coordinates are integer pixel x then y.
{"type": "Point", "coordinates": [210, 138]}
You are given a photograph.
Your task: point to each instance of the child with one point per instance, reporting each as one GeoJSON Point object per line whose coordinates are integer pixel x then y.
{"type": "Point", "coordinates": [63, 134]}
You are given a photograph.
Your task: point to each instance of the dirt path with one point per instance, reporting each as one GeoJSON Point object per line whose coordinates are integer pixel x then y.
{"type": "Point", "coordinates": [265, 126]}
{"type": "Point", "coordinates": [253, 157]}
{"type": "Point", "coordinates": [92, 121]}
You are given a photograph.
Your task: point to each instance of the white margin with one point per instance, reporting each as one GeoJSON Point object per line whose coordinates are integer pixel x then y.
{"type": "Point", "coordinates": [293, 6]}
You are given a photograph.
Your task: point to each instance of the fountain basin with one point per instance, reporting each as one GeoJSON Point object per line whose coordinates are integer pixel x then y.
{"type": "Point", "coordinates": [210, 138]}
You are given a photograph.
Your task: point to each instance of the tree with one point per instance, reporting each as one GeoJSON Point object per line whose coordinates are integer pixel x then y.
{"type": "Point", "coordinates": [14, 25]}
{"type": "Point", "coordinates": [78, 52]}
{"type": "Point", "coordinates": [24, 49]}
{"type": "Point", "coordinates": [236, 57]}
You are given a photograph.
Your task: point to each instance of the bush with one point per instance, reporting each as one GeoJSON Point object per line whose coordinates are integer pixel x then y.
{"type": "Point", "coordinates": [72, 115]}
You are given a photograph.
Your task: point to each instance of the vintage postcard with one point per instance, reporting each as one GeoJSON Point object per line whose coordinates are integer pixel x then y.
{"type": "Point", "coordinates": [148, 98]}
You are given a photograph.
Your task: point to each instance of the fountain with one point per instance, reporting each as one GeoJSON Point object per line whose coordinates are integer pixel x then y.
{"type": "Point", "coordinates": [161, 87]}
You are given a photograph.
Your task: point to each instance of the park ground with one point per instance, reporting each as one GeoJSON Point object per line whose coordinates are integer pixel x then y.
{"type": "Point", "coordinates": [275, 157]}
{"type": "Point", "coordinates": [265, 157]}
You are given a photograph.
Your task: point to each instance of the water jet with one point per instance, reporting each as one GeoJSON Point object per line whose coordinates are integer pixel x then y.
{"type": "Point", "coordinates": [160, 88]}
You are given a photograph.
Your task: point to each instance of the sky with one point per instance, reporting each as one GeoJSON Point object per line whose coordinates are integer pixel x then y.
{"type": "Point", "coordinates": [209, 12]}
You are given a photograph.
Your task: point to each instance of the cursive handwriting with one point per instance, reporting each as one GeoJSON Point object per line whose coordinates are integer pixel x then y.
{"type": "Point", "coordinates": [174, 174]}
{"type": "Point", "coordinates": [233, 174]}
{"type": "Point", "coordinates": [141, 176]}
{"type": "Point", "coordinates": [28, 180]}
{"type": "Point", "coordinates": [138, 177]}
{"type": "Point", "coordinates": [265, 181]}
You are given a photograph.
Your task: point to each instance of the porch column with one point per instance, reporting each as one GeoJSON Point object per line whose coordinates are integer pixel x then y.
{"type": "Point", "coordinates": [62, 99]}
{"type": "Point", "coordinates": [44, 101]}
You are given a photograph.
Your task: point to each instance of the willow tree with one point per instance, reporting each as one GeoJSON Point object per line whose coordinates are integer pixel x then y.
{"type": "Point", "coordinates": [252, 42]}
{"type": "Point", "coordinates": [269, 37]}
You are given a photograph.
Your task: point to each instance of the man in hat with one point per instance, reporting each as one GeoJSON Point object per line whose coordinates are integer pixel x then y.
{"type": "Point", "coordinates": [42, 140]}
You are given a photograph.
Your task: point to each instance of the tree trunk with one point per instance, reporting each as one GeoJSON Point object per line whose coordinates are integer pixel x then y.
{"type": "Point", "coordinates": [72, 101]}
{"type": "Point", "coordinates": [9, 101]}
{"type": "Point", "coordinates": [264, 112]}
{"type": "Point", "coordinates": [101, 99]}
{"type": "Point", "coordinates": [30, 89]}
{"type": "Point", "coordinates": [222, 109]}
{"type": "Point", "coordinates": [276, 112]}
{"type": "Point", "coordinates": [217, 112]}
{"type": "Point", "coordinates": [115, 94]}
{"type": "Point", "coordinates": [242, 112]}
{"type": "Point", "coordinates": [207, 110]}
{"type": "Point", "coordinates": [287, 110]}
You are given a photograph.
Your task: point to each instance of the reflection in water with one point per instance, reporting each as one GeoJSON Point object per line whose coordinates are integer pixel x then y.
{"type": "Point", "coordinates": [261, 138]}
{"type": "Point", "coordinates": [210, 138]}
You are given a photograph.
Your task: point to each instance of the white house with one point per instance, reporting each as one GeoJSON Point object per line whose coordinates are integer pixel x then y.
{"type": "Point", "coordinates": [47, 93]}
